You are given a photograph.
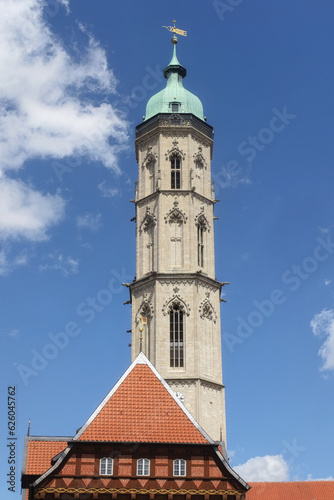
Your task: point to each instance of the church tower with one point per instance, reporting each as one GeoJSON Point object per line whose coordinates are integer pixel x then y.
{"type": "Point", "coordinates": [175, 296]}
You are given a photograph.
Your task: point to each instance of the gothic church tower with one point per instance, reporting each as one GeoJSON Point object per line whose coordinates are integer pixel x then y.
{"type": "Point", "coordinates": [175, 295]}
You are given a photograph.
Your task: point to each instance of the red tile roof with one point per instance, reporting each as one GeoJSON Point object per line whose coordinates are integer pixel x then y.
{"type": "Point", "coordinates": [141, 409]}
{"type": "Point", "coordinates": [295, 490]}
{"type": "Point", "coordinates": [40, 454]}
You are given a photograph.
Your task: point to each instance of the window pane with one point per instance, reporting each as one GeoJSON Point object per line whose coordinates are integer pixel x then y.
{"type": "Point", "coordinates": [178, 183]}
{"type": "Point", "coordinates": [179, 468]}
{"type": "Point", "coordinates": [176, 337]}
{"type": "Point", "coordinates": [175, 165]}
{"type": "Point", "coordinates": [106, 466]}
{"type": "Point", "coordinates": [109, 466]}
{"type": "Point", "coordinates": [173, 179]}
{"type": "Point", "coordinates": [143, 467]}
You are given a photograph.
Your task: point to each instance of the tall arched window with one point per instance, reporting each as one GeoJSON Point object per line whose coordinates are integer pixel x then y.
{"type": "Point", "coordinates": [202, 226]}
{"type": "Point", "coordinates": [151, 176]}
{"type": "Point", "coordinates": [143, 467]}
{"type": "Point", "coordinates": [175, 166]}
{"type": "Point", "coordinates": [176, 239]}
{"type": "Point", "coordinates": [106, 466]}
{"type": "Point", "coordinates": [146, 317]}
{"type": "Point", "coordinates": [149, 246]}
{"type": "Point", "coordinates": [200, 244]}
{"type": "Point", "coordinates": [176, 324]}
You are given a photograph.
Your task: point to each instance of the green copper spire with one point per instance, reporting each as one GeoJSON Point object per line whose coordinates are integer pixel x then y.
{"type": "Point", "coordinates": [174, 98]}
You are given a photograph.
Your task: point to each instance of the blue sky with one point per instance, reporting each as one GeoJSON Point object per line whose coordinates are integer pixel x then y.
{"type": "Point", "coordinates": [75, 78]}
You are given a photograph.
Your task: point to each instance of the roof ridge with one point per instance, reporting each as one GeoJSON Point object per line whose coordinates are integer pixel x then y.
{"type": "Point", "coordinates": [49, 438]}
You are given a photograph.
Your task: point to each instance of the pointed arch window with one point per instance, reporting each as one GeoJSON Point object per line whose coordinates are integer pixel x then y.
{"type": "Point", "coordinates": [106, 466]}
{"type": "Point", "coordinates": [201, 228]}
{"type": "Point", "coordinates": [149, 245]}
{"type": "Point", "coordinates": [145, 318]}
{"type": "Point", "coordinates": [176, 331]}
{"type": "Point", "coordinates": [175, 166]}
{"type": "Point", "coordinates": [151, 175]}
{"type": "Point", "coordinates": [143, 467]}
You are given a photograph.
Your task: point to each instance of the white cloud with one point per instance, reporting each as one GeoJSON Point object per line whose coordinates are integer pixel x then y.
{"type": "Point", "coordinates": [52, 105]}
{"type": "Point", "coordinates": [66, 4]}
{"type": "Point", "coordinates": [267, 468]}
{"type": "Point", "coordinates": [57, 262]}
{"type": "Point", "coordinates": [7, 264]}
{"type": "Point", "coordinates": [322, 325]}
{"type": "Point", "coordinates": [108, 192]}
{"type": "Point", "coordinates": [327, 282]}
{"type": "Point", "coordinates": [44, 110]}
{"type": "Point", "coordinates": [26, 213]}
{"type": "Point", "coordinates": [89, 221]}
{"type": "Point", "coordinates": [323, 230]}
{"type": "Point", "coordinates": [310, 478]}
{"type": "Point", "coordinates": [14, 333]}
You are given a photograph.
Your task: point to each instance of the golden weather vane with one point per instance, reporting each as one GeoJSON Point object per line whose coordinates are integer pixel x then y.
{"type": "Point", "coordinates": [173, 29]}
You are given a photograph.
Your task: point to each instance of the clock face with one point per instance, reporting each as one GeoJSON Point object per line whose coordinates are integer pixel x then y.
{"type": "Point", "coordinates": [180, 396]}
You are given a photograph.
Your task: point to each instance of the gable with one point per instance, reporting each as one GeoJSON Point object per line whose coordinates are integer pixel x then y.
{"type": "Point", "coordinates": [142, 408]}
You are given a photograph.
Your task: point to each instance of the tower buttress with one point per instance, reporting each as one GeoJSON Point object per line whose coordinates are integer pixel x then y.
{"type": "Point", "coordinates": [175, 296]}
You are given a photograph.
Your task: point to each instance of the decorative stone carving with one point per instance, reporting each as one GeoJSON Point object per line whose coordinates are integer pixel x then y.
{"type": "Point", "coordinates": [175, 150]}
{"type": "Point", "coordinates": [176, 282]}
{"type": "Point", "coordinates": [206, 311]}
{"type": "Point", "coordinates": [175, 215]}
{"type": "Point", "coordinates": [176, 299]}
{"type": "Point", "coordinates": [149, 158]}
{"type": "Point", "coordinates": [199, 159]}
{"type": "Point", "coordinates": [148, 219]}
{"type": "Point", "coordinates": [181, 383]}
{"type": "Point", "coordinates": [201, 220]}
{"type": "Point", "coordinates": [146, 309]}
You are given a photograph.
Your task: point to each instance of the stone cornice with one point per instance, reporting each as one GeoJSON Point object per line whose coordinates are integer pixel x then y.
{"type": "Point", "coordinates": [174, 192]}
{"type": "Point", "coordinates": [176, 278]}
{"type": "Point", "coordinates": [181, 378]}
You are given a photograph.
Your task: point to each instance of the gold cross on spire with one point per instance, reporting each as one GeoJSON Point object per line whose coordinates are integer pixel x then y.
{"type": "Point", "coordinates": [173, 29]}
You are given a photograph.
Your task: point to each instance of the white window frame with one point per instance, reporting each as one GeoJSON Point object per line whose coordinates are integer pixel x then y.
{"type": "Point", "coordinates": [179, 467]}
{"type": "Point", "coordinates": [143, 467]}
{"type": "Point", "coordinates": [106, 466]}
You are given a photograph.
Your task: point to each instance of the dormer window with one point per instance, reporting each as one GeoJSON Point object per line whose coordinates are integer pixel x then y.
{"type": "Point", "coordinates": [175, 107]}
